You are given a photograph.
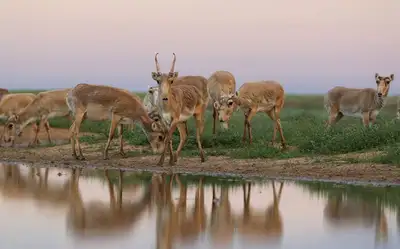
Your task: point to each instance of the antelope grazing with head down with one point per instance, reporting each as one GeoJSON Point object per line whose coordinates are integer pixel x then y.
{"type": "Point", "coordinates": [3, 92]}
{"type": "Point", "coordinates": [261, 96]}
{"type": "Point", "coordinates": [360, 102]}
{"type": "Point", "coordinates": [222, 86]}
{"type": "Point", "coordinates": [99, 103]}
{"type": "Point", "coordinates": [45, 105]}
{"type": "Point", "coordinates": [178, 103]}
{"type": "Point", "coordinates": [10, 105]}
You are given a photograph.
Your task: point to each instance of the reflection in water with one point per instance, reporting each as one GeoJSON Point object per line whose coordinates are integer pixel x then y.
{"type": "Point", "coordinates": [97, 218]}
{"type": "Point", "coordinates": [265, 224]}
{"type": "Point", "coordinates": [112, 208]}
{"type": "Point", "coordinates": [341, 213]}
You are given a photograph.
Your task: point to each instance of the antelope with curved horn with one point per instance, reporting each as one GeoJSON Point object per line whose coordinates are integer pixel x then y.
{"type": "Point", "coordinates": [360, 102]}
{"type": "Point", "coordinates": [97, 102]}
{"type": "Point", "coordinates": [177, 104]}
{"type": "Point", "coordinates": [222, 86]}
{"type": "Point", "coordinates": [261, 96]}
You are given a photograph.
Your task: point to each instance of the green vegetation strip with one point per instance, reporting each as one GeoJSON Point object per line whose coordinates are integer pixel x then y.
{"type": "Point", "coordinates": [303, 119]}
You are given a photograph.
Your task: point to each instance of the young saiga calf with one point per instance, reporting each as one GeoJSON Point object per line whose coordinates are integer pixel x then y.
{"type": "Point", "coordinates": [10, 105]}
{"type": "Point", "coordinates": [222, 85]}
{"type": "Point", "coordinates": [359, 102]}
{"type": "Point", "coordinates": [260, 96]}
{"type": "Point", "coordinates": [179, 103]}
{"type": "Point", "coordinates": [97, 102]}
{"type": "Point", "coordinates": [45, 105]}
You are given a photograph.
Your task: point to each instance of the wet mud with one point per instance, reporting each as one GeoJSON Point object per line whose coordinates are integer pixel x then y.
{"type": "Point", "coordinates": [303, 168]}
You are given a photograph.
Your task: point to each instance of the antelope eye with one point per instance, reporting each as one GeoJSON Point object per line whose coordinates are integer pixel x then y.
{"type": "Point", "coordinates": [160, 138]}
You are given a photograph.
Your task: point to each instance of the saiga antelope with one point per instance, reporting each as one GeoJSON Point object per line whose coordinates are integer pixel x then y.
{"type": "Point", "coordinates": [178, 103]}
{"type": "Point", "coordinates": [260, 96]}
{"type": "Point", "coordinates": [45, 105]}
{"type": "Point", "coordinates": [99, 103]}
{"type": "Point", "coordinates": [222, 86]}
{"type": "Point", "coordinates": [360, 102]}
{"type": "Point", "coordinates": [11, 104]}
{"type": "Point", "coordinates": [151, 100]}
{"type": "Point", "coordinates": [3, 92]}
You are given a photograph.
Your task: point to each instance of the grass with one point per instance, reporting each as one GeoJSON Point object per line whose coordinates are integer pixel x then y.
{"type": "Point", "coordinates": [303, 119]}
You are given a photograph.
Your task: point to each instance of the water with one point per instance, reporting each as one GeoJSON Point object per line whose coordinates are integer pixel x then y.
{"type": "Point", "coordinates": [65, 208]}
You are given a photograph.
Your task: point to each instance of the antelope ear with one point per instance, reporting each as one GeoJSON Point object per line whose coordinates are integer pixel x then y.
{"type": "Point", "coordinates": [376, 76]}
{"type": "Point", "coordinates": [154, 126]}
{"type": "Point", "coordinates": [392, 76]}
{"type": "Point", "coordinates": [155, 76]}
{"type": "Point", "coordinates": [173, 75]}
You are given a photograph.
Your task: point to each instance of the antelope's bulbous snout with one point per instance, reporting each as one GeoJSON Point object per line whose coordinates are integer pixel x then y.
{"type": "Point", "coordinates": [379, 94]}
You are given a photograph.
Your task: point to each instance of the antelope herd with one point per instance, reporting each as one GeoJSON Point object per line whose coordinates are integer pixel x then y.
{"type": "Point", "coordinates": [171, 103]}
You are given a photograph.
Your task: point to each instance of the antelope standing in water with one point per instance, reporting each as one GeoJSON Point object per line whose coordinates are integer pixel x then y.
{"type": "Point", "coordinates": [359, 102]}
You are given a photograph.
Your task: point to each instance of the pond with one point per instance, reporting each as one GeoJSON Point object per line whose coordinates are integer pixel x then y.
{"type": "Point", "coordinates": [69, 208]}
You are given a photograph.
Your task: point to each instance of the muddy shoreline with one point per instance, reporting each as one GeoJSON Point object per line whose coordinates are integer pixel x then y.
{"type": "Point", "coordinates": [295, 168]}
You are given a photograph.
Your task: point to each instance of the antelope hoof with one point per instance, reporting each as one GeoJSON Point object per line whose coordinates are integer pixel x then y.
{"type": "Point", "coordinates": [172, 162]}
{"type": "Point", "coordinates": [82, 158]}
{"type": "Point", "coordinates": [105, 157]}
{"type": "Point", "coordinates": [175, 156]}
{"type": "Point", "coordinates": [161, 161]}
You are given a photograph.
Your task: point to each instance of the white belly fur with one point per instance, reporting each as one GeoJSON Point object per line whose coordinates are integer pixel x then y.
{"type": "Point", "coordinates": [168, 117]}
{"type": "Point", "coordinates": [184, 117]}
{"type": "Point", "coordinates": [355, 112]}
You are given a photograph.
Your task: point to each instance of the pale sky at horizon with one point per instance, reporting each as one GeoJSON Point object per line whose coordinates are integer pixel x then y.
{"type": "Point", "coordinates": [309, 46]}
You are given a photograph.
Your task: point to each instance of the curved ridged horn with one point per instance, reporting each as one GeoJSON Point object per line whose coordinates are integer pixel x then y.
{"type": "Point", "coordinates": [157, 64]}
{"type": "Point", "coordinates": [173, 64]}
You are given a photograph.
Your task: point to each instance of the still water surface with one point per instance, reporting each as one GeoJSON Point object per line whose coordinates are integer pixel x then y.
{"type": "Point", "coordinates": [65, 208]}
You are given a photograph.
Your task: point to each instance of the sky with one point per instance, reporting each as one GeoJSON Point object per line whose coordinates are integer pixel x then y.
{"type": "Point", "coordinates": [309, 46]}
